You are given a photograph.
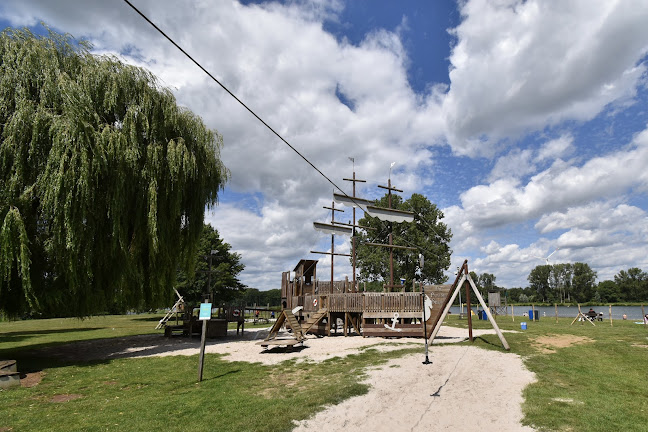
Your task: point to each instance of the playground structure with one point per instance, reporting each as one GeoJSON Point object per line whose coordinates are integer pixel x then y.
{"type": "Point", "coordinates": [495, 304]}
{"type": "Point", "coordinates": [315, 307]}
{"type": "Point", "coordinates": [191, 325]}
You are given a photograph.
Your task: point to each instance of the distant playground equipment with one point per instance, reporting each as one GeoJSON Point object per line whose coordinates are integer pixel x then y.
{"type": "Point", "coordinates": [176, 309]}
{"type": "Point", "coordinates": [590, 317]}
{"type": "Point", "coordinates": [191, 325]}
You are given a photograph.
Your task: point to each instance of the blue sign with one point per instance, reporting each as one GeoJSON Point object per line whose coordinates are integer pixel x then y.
{"type": "Point", "coordinates": [205, 312]}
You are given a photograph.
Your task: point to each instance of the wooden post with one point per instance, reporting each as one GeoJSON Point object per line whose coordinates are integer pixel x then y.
{"type": "Point", "coordinates": [533, 310]}
{"type": "Point", "coordinates": [201, 362]}
{"type": "Point", "coordinates": [513, 313]}
{"type": "Point", "coordinates": [611, 325]}
{"type": "Point", "coordinates": [556, 308]}
{"type": "Point", "coordinates": [488, 313]}
{"type": "Point", "coordinates": [469, 311]}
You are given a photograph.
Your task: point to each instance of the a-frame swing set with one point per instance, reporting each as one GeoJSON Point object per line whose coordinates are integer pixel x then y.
{"type": "Point", "coordinates": [464, 280]}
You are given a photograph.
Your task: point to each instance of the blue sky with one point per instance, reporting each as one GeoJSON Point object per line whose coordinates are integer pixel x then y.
{"type": "Point", "coordinates": [525, 122]}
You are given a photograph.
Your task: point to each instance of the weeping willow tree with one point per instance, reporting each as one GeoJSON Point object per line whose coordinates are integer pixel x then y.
{"type": "Point", "coordinates": [104, 180]}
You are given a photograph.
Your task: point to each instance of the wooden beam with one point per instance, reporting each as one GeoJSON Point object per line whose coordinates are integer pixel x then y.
{"type": "Point", "coordinates": [490, 317]}
{"type": "Point", "coordinates": [329, 253]}
{"type": "Point", "coordinates": [391, 246]}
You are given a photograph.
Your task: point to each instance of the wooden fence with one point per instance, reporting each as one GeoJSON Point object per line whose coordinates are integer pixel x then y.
{"type": "Point", "coordinates": [408, 302]}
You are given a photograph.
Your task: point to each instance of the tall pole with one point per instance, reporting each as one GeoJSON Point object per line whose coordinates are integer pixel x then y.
{"type": "Point", "coordinates": [332, 243]}
{"type": "Point", "coordinates": [353, 237]}
{"type": "Point", "coordinates": [469, 309]}
{"type": "Point", "coordinates": [391, 249]}
{"type": "Point", "coordinates": [390, 245]}
{"type": "Point", "coordinates": [354, 180]}
{"type": "Point", "coordinates": [209, 284]}
{"type": "Point", "coordinates": [425, 335]}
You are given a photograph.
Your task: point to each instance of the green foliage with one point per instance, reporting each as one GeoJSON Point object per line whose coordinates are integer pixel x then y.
{"type": "Point", "coordinates": [486, 281]}
{"type": "Point", "coordinates": [104, 180]}
{"type": "Point", "coordinates": [563, 282]}
{"type": "Point", "coordinates": [426, 232]}
{"type": "Point", "coordinates": [519, 295]}
{"type": "Point", "coordinates": [577, 283]}
{"type": "Point", "coordinates": [225, 268]}
{"type": "Point", "coordinates": [632, 284]}
{"type": "Point", "coordinates": [539, 282]}
{"type": "Point", "coordinates": [252, 296]}
{"type": "Point", "coordinates": [583, 282]}
{"type": "Point", "coordinates": [609, 291]}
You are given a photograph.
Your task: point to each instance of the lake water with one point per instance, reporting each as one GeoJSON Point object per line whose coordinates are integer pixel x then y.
{"type": "Point", "coordinates": [632, 312]}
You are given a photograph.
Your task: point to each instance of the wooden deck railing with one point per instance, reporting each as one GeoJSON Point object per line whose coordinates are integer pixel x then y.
{"type": "Point", "coordinates": [375, 302]}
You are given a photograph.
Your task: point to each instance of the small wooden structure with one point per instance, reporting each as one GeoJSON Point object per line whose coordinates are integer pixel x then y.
{"type": "Point", "coordinates": [286, 317]}
{"type": "Point", "coordinates": [9, 375]}
{"type": "Point", "coordinates": [177, 309]}
{"type": "Point", "coordinates": [583, 317]}
{"type": "Point", "coordinates": [495, 304]}
{"type": "Point", "coordinates": [216, 327]}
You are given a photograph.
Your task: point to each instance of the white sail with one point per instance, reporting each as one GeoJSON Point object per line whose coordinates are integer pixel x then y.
{"type": "Point", "coordinates": [350, 201]}
{"type": "Point", "coordinates": [390, 215]}
{"type": "Point", "coordinates": [332, 229]}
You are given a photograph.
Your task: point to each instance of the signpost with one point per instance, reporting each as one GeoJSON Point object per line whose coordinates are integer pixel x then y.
{"type": "Point", "coordinates": [205, 315]}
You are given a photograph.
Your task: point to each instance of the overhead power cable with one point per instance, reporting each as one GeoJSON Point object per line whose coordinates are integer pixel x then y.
{"type": "Point", "coordinates": [235, 97]}
{"type": "Point", "coordinates": [252, 112]}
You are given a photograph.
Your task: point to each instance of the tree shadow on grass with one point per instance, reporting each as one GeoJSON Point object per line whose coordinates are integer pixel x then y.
{"type": "Point", "coordinates": [152, 319]}
{"type": "Point", "coordinates": [222, 375]}
{"type": "Point", "coordinates": [97, 351]}
{"type": "Point", "coordinates": [19, 336]}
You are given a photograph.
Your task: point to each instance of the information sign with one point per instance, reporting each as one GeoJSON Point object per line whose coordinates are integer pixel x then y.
{"type": "Point", "coordinates": [205, 311]}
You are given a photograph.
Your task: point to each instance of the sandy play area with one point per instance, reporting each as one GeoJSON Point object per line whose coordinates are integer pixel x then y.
{"type": "Point", "coordinates": [465, 388]}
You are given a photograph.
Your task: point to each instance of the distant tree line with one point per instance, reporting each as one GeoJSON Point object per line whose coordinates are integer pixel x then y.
{"type": "Point", "coordinates": [253, 296]}
{"type": "Point", "coordinates": [570, 283]}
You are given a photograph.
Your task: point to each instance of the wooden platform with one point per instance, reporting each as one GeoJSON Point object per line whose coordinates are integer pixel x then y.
{"type": "Point", "coordinates": [402, 330]}
{"type": "Point", "coordinates": [280, 342]}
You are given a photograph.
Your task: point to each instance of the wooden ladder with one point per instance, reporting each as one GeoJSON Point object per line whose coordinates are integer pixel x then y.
{"type": "Point", "coordinates": [286, 316]}
{"type": "Point", "coordinates": [314, 319]}
{"type": "Point", "coordinates": [172, 311]}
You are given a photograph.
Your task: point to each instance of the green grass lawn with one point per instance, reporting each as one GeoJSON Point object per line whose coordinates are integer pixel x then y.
{"type": "Point", "coordinates": [588, 378]}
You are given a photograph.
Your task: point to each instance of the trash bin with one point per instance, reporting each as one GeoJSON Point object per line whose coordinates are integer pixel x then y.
{"type": "Point", "coordinates": [531, 314]}
{"type": "Point", "coordinates": [523, 326]}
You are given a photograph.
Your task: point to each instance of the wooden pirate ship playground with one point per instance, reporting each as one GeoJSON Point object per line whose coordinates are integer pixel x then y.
{"type": "Point", "coordinates": [316, 307]}
{"type": "Point", "coordinates": [310, 305]}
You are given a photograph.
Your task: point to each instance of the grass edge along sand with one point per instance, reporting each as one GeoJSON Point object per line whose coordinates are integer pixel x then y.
{"type": "Point", "coordinates": [588, 376]}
